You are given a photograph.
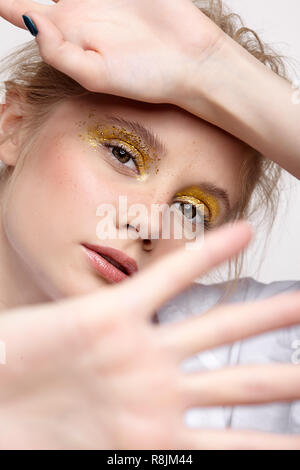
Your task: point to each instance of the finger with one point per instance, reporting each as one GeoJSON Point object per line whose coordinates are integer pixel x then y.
{"type": "Point", "coordinates": [65, 56]}
{"type": "Point", "coordinates": [12, 10]}
{"type": "Point", "coordinates": [229, 323]}
{"type": "Point", "coordinates": [236, 439]}
{"type": "Point", "coordinates": [176, 271]}
{"type": "Point", "coordinates": [242, 385]}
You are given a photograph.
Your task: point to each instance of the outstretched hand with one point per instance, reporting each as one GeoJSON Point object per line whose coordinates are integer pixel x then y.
{"type": "Point", "coordinates": [93, 372]}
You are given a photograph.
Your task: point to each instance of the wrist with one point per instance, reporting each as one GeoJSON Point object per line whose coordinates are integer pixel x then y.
{"type": "Point", "coordinates": [233, 90]}
{"type": "Point", "coordinates": [204, 74]}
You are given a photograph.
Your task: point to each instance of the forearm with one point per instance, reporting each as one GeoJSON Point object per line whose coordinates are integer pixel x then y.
{"type": "Point", "coordinates": [236, 92]}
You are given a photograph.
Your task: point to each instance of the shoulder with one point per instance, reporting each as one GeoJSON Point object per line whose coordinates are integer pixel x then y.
{"type": "Point", "coordinates": [248, 288]}
{"type": "Point", "coordinates": [201, 297]}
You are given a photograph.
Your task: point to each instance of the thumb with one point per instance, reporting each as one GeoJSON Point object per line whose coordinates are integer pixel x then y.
{"type": "Point", "coordinates": [81, 65]}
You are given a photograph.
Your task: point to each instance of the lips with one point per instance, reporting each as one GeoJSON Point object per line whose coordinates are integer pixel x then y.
{"type": "Point", "coordinates": [110, 262]}
{"type": "Point", "coordinates": [115, 263]}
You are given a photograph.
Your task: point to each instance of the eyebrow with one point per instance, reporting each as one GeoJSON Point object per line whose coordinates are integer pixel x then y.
{"type": "Point", "coordinates": [218, 193]}
{"type": "Point", "coordinates": [149, 138]}
{"type": "Point", "coordinates": [153, 141]}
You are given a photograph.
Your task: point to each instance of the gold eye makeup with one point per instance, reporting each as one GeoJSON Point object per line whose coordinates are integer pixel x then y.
{"type": "Point", "coordinates": [136, 151]}
{"type": "Point", "coordinates": [201, 201]}
{"type": "Point", "coordinates": [125, 147]}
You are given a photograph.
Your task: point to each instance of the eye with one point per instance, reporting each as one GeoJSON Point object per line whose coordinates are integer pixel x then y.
{"type": "Point", "coordinates": [193, 214]}
{"type": "Point", "coordinates": [123, 156]}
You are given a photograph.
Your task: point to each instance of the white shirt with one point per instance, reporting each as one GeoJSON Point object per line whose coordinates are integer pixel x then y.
{"type": "Point", "coordinates": [278, 346]}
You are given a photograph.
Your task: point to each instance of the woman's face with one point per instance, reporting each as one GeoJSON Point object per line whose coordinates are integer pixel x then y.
{"type": "Point", "coordinates": [74, 166]}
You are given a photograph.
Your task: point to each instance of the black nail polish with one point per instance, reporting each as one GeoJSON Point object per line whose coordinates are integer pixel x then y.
{"type": "Point", "coordinates": [30, 25]}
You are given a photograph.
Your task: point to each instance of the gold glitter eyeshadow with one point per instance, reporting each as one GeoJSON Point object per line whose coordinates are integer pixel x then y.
{"type": "Point", "coordinates": [145, 158]}
{"type": "Point", "coordinates": [194, 195]}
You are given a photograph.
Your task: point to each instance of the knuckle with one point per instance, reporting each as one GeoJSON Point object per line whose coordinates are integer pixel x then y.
{"type": "Point", "coordinates": [46, 54]}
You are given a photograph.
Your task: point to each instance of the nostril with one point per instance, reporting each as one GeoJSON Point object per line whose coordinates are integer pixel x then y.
{"type": "Point", "coordinates": [147, 244]}
{"type": "Point", "coordinates": [154, 318]}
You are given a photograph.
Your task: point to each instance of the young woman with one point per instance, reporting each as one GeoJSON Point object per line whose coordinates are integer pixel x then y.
{"type": "Point", "coordinates": [130, 100]}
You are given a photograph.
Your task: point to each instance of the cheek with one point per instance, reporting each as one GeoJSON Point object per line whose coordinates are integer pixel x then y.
{"type": "Point", "coordinates": [52, 201]}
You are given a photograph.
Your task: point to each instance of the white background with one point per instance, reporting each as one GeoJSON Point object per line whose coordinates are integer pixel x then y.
{"type": "Point", "coordinates": [277, 23]}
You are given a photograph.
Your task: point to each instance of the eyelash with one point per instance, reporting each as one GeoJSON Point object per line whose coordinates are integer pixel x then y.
{"type": "Point", "coordinates": [207, 224]}
{"type": "Point", "coordinates": [121, 147]}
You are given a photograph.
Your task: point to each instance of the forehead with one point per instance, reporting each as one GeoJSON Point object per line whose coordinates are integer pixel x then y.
{"type": "Point", "coordinates": [192, 145]}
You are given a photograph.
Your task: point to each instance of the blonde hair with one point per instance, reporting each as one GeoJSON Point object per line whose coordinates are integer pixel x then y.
{"type": "Point", "coordinates": [41, 86]}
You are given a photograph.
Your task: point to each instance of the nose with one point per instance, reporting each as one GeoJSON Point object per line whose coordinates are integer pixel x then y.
{"type": "Point", "coordinates": [143, 224]}
{"type": "Point", "coordinates": [147, 242]}
{"type": "Point", "coordinates": [144, 219]}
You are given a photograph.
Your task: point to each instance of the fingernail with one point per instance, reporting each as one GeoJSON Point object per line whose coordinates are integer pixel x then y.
{"type": "Point", "coordinates": [30, 25]}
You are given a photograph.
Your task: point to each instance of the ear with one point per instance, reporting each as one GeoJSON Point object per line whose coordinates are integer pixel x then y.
{"type": "Point", "coordinates": [11, 120]}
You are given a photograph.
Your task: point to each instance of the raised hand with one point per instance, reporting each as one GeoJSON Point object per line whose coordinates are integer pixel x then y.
{"type": "Point", "coordinates": [137, 49]}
